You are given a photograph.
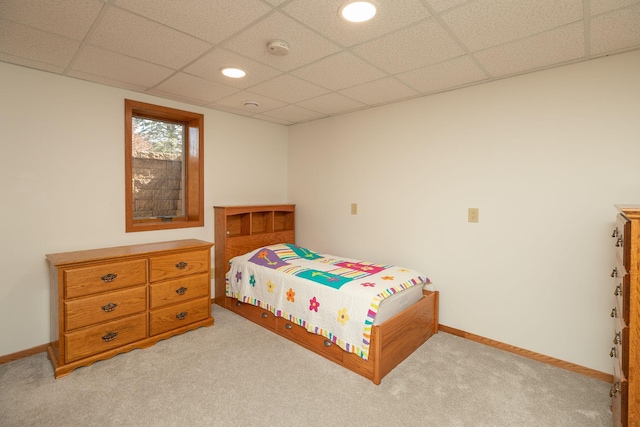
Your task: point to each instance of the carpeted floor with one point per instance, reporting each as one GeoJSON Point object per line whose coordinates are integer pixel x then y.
{"type": "Point", "coordinates": [238, 374]}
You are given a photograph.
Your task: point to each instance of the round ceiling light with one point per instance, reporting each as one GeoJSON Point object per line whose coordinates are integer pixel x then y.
{"type": "Point", "coordinates": [234, 73]}
{"type": "Point", "coordinates": [358, 11]}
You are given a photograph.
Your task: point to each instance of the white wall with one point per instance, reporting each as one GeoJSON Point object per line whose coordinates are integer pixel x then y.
{"type": "Point", "coordinates": [543, 156]}
{"type": "Point", "coordinates": [54, 131]}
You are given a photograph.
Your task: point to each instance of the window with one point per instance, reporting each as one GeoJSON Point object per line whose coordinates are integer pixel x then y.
{"type": "Point", "coordinates": [164, 167]}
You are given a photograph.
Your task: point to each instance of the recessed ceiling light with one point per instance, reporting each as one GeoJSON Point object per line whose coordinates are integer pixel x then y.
{"type": "Point", "coordinates": [358, 11]}
{"type": "Point", "coordinates": [234, 73]}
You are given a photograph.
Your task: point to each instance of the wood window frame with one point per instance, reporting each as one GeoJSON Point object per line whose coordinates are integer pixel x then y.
{"type": "Point", "coordinates": [194, 166]}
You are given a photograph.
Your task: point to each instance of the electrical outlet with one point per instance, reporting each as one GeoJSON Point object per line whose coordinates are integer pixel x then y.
{"type": "Point", "coordinates": [474, 214]}
{"type": "Point", "coordinates": [354, 209]}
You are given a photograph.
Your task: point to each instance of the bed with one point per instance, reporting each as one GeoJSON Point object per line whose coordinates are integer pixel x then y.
{"type": "Point", "coordinates": [311, 298]}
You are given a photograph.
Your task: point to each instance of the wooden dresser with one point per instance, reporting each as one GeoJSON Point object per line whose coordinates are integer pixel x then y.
{"type": "Point", "coordinates": [109, 301]}
{"type": "Point", "coordinates": [625, 349]}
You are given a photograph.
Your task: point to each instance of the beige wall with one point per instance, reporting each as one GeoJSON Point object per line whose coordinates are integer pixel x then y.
{"type": "Point", "coordinates": [543, 156]}
{"type": "Point", "coordinates": [62, 182]}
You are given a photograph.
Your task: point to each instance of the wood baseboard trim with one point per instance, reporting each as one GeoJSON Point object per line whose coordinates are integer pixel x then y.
{"type": "Point", "coordinates": [529, 354]}
{"type": "Point", "coordinates": [24, 353]}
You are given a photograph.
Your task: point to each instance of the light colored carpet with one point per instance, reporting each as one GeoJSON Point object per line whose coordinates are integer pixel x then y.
{"type": "Point", "coordinates": [238, 374]}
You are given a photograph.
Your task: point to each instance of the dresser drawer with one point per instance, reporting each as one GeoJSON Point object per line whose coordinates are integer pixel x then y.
{"type": "Point", "coordinates": [177, 265]}
{"type": "Point", "coordinates": [103, 278]}
{"type": "Point", "coordinates": [622, 294]}
{"type": "Point", "coordinates": [175, 316]}
{"type": "Point", "coordinates": [620, 347]}
{"type": "Point", "coordinates": [619, 398]}
{"type": "Point", "coordinates": [317, 343]}
{"type": "Point", "coordinates": [179, 290]}
{"type": "Point", "coordinates": [101, 308]}
{"type": "Point", "coordinates": [107, 336]}
{"type": "Point", "coordinates": [621, 235]}
{"type": "Point", "coordinates": [254, 313]}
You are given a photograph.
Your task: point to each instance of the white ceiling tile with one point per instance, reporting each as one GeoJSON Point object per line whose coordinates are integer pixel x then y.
{"type": "Point", "coordinates": [237, 101]}
{"type": "Point", "coordinates": [21, 60]}
{"type": "Point", "coordinates": [208, 67]}
{"type": "Point", "coordinates": [339, 71]}
{"type": "Point", "coordinates": [288, 89]}
{"type": "Point", "coordinates": [535, 52]}
{"type": "Point", "coordinates": [615, 31]}
{"type": "Point", "coordinates": [440, 5]}
{"type": "Point", "coordinates": [35, 45]}
{"type": "Point", "coordinates": [445, 75]}
{"type": "Point", "coordinates": [131, 35]}
{"type": "Point", "coordinates": [293, 113]}
{"type": "Point", "coordinates": [305, 46]}
{"type": "Point", "coordinates": [323, 17]}
{"type": "Point", "coordinates": [69, 18]}
{"type": "Point", "coordinates": [597, 7]}
{"type": "Point", "coordinates": [193, 87]}
{"type": "Point", "coordinates": [486, 23]}
{"type": "Point", "coordinates": [106, 81]}
{"type": "Point", "coordinates": [117, 67]}
{"type": "Point", "coordinates": [272, 119]}
{"type": "Point", "coordinates": [331, 103]}
{"type": "Point", "coordinates": [381, 91]}
{"type": "Point", "coordinates": [419, 45]}
{"type": "Point", "coordinates": [176, 97]}
{"type": "Point", "coordinates": [212, 21]}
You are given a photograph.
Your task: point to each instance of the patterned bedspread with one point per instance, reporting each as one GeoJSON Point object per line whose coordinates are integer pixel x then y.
{"type": "Point", "coordinates": [335, 297]}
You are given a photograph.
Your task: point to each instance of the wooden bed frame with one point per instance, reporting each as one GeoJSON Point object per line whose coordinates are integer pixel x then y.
{"type": "Point", "coordinates": [240, 229]}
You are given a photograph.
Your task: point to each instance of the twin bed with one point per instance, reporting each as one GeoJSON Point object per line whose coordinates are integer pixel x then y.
{"type": "Point", "coordinates": [364, 316]}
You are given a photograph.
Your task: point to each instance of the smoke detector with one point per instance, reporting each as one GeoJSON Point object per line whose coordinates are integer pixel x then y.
{"type": "Point", "coordinates": [278, 47]}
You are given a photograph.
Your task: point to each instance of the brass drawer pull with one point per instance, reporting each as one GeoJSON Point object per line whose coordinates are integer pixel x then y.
{"type": "Point", "coordinates": [618, 291]}
{"type": "Point", "coordinates": [181, 265]}
{"type": "Point", "coordinates": [327, 343]}
{"type": "Point", "coordinates": [110, 336]}
{"type": "Point", "coordinates": [613, 352]}
{"type": "Point", "coordinates": [182, 315]}
{"type": "Point", "coordinates": [109, 307]}
{"type": "Point", "coordinates": [107, 278]}
{"type": "Point", "coordinates": [617, 339]}
{"type": "Point", "coordinates": [614, 312]}
{"type": "Point", "coordinates": [288, 326]}
{"type": "Point", "coordinates": [181, 290]}
{"type": "Point", "coordinates": [615, 232]}
{"type": "Point", "coordinates": [614, 273]}
{"type": "Point", "coordinates": [619, 242]}
{"type": "Point", "coordinates": [265, 315]}
{"type": "Point", "coordinates": [238, 303]}
{"type": "Point", "coordinates": [615, 388]}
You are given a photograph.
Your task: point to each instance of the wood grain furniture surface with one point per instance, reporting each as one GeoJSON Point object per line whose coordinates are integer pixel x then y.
{"type": "Point", "coordinates": [112, 300]}
{"type": "Point", "coordinates": [625, 349]}
{"type": "Point", "coordinates": [241, 229]}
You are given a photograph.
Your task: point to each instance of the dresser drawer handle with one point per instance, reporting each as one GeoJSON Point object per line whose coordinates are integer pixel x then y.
{"type": "Point", "coordinates": [619, 242]}
{"type": "Point", "coordinates": [238, 303]}
{"type": "Point", "coordinates": [615, 232]}
{"type": "Point", "coordinates": [181, 290]}
{"type": "Point", "coordinates": [614, 273]}
{"type": "Point", "coordinates": [613, 352]}
{"type": "Point", "coordinates": [181, 265]}
{"type": "Point", "coordinates": [617, 339]}
{"type": "Point", "coordinates": [327, 343]}
{"type": "Point", "coordinates": [265, 315]}
{"type": "Point", "coordinates": [107, 278]}
{"type": "Point", "coordinates": [618, 291]}
{"type": "Point", "coordinates": [614, 312]}
{"type": "Point", "coordinates": [109, 307]}
{"type": "Point", "coordinates": [615, 388]}
{"type": "Point", "coordinates": [288, 326]}
{"type": "Point", "coordinates": [110, 336]}
{"type": "Point", "coordinates": [182, 315]}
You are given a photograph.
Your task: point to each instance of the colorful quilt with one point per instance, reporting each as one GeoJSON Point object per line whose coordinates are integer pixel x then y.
{"type": "Point", "coordinates": [331, 296]}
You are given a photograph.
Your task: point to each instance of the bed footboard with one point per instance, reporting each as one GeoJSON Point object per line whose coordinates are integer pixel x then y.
{"type": "Point", "coordinates": [391, 342]}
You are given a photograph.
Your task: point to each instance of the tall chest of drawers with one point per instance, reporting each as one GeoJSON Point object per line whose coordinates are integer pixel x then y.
{"type": "Point", "coordinates": [112, 300]}
{"type": "Point", "coordinates": [625, 350]}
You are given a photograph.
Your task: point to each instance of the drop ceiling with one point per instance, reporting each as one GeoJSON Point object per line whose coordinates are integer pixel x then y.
{"type": "Point", "coordinates": [175, 49]}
